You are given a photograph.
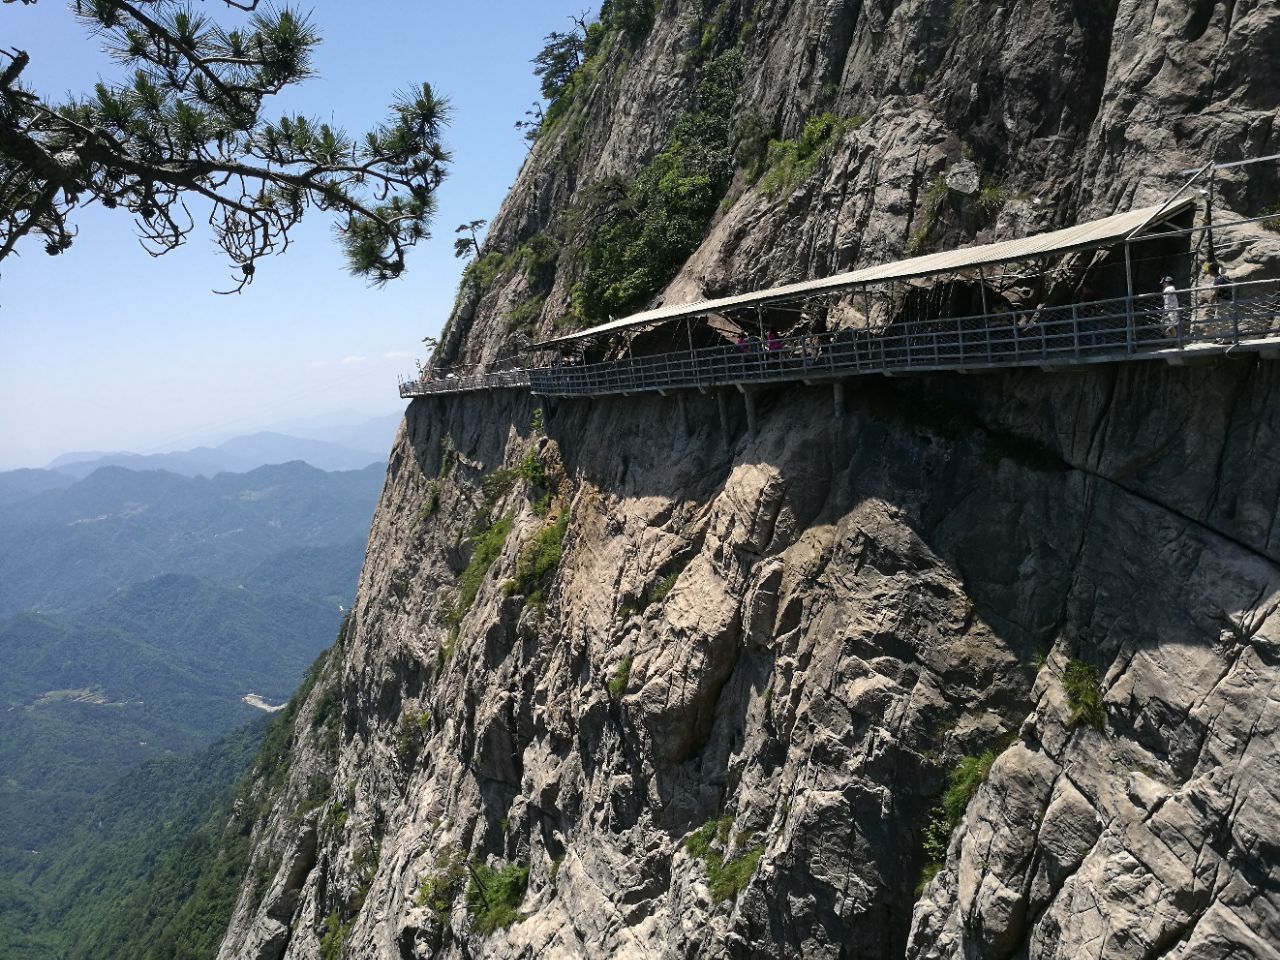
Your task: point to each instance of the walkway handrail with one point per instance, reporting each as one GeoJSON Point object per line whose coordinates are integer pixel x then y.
{"type": "Point", "coordinates": [1088, 332]}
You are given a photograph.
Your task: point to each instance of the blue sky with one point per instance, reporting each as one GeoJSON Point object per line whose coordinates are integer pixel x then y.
{"type": "Point", "coordinates": [106, 348]}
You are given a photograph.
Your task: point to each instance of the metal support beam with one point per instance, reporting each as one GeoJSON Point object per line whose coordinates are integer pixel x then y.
{"type": "Point", "coordinates": [1130, 341]}
{"type": "Point", "coordinates": [837, 396]}
{"type": "Point", "coordinates": [723, 407]}
{"type": "Point", "coordinates": [750, 402]}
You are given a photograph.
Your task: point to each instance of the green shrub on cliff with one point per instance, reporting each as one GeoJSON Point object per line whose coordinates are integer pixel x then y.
{"type": "Point", "coordinates": [621, 677]}
{"type": "Point", "coordinates": [725, 878]}
{"type": "Point", "coordinates": [485, 550]}
{"type": "Point", "coordinates": [440, 888]}
{"type": "Point", "coordinates": [538, 560]}
{"type": "Point", "coordinates": [931, 211]}
{"type": "Point", "coordinates": [664, 587]}
{"type": "Point", "coordinates": [335, 936]}
{"type": "Point", "coordinates": [493, 895]}
{"type": "Point", "coordinates": [965, 778]}
{"type": "Point", "coordinates": [1080, 682]}
{"type": "Point", "coordinates": [789, 163]}
{"type": "Point", "coordinates": [666, 211]}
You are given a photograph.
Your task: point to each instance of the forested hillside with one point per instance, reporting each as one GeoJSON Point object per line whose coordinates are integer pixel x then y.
{"type": "Point", "coordinates": [161, 603]}
{"type": "Point", "coordinates": [64, 548]}
{"type": "Point", "coordinates": [159, 669]}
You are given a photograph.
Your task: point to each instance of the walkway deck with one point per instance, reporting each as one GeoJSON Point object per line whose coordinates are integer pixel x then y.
{"type": "Point", "coordinates": [1110, 331]}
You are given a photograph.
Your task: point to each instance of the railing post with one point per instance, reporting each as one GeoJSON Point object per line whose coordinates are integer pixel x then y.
{"type": "Point", "coordinates": [1075, 330]}
{"type": "Point", "coordinates": [1235, 319]}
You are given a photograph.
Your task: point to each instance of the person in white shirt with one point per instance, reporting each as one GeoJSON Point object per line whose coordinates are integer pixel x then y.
{"type": "Point", "coordinates": [1171, 311]}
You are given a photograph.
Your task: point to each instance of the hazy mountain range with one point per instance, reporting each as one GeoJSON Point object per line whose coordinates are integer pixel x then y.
{"type": "Point", "coordinates": [63, 548]}
{"type": "Point", "coordinates": [326, 446]}
{"type": "Point", "coordinates": [139, 607]}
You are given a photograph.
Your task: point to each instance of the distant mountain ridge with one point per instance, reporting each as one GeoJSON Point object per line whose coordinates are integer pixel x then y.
{"type": "Point", "coordinates": [20, 484]}
{"type": "Point", "coordinates": [65, 548]}
{"type": "Point", "coordinates": [237, 455]}
{"type": "Point", "coordinates": [138, 608]}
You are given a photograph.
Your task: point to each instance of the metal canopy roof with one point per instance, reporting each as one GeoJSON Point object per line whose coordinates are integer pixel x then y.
{"type": "Point", "coordinates": [1083, 236]}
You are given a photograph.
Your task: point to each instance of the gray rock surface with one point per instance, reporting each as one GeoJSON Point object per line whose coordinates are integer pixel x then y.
{"type": "Point", "coordinates": [808, 628]}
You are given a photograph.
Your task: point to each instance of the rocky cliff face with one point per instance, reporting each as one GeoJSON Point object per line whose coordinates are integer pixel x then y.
{"type": "Point", "coordinates": [973, 667]}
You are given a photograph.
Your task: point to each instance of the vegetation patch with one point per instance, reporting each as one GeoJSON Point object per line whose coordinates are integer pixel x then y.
{"type": "Point", "coordinates": [664, 587]}
{"type": "Point", "coordinates": [448, 457]}
{"type": "Point", "coordinates": [432, 503]}
{"type": "Point", "coordinates": [538, 561]}
{"type": "Point", "coordinates": [963, 782]}
{"type": "Point", "coordinates": [931, 210]}
{"type": "Point", "coordinates": [1272, 213]}
{"type": "Point", "coordinates": [664, 214]}
{"type": "Point", "coordinates": [411, 735]}
{"type": "Point", "coordinates": [336, 929]}
{"type": "Point", "coordinates": [439, 889]}
{"type": "Point", "coordinates": [531, 470]}
{"type": "Point", "coordinates": [569, 63]}
{"type": "Point", "coordinates": [334, 937]}
{"type": "Point", "coordinates": [658, 592]}
{"type": "Point", "coordinates": [990, 201]}
{"type": "Point", "coordinates": [500, 482]}
{"type": "Point", "coordinates": [271, 768]}
{"type": "Point", "coordinates": [484, 270]}
{"type": "Point", "coordinates": [1084, 694]}
{"type": "Point", "coordinates": [486, 549]}
{"type": "Point", "coordinates": [621, 677]}
{"type": "Point", "coordinates": [631, 18]}
{"type": "Point", "coordinates": [725, 878]}
{"type": "Point", "coordinates": [335, 820]}
{"type": "Point", "coordinates": [535, 258]}
{"type": "Point", "coordinates": [788, 163]}
{"type": "Point", "coordinates": [495, 486]}
{"type": "Point", "coordinates": [494, 894]}
{"type": "Point", "coordinates": [753, 138]}
{"type": "Point", "coordinates": [524, 316]}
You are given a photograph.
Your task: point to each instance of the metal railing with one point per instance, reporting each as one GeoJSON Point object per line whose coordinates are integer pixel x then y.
{"type": "Point", "coordinates": [1106, 330]}
{"type": "Point", "coordinates": [463, 383]}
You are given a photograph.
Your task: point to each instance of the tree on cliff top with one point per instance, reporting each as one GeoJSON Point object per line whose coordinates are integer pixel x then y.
{"type": "Point", "coordinates": [186, 124]}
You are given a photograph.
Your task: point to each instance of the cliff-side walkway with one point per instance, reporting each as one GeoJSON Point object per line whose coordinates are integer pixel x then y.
{"type": "Point", "coordinates": [1108, 331]}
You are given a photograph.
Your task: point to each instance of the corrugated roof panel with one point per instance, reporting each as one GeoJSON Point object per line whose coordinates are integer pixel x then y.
{"type": "Point", "coordinates": [1082, 236]}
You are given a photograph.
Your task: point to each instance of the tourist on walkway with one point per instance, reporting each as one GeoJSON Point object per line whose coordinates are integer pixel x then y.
{"type": "Point", "coordinates": [773, 344]}
{"type": "Point", "coordinates": [1219, 292]}
{"type": "Point", "coordinates": [1171, 313]}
